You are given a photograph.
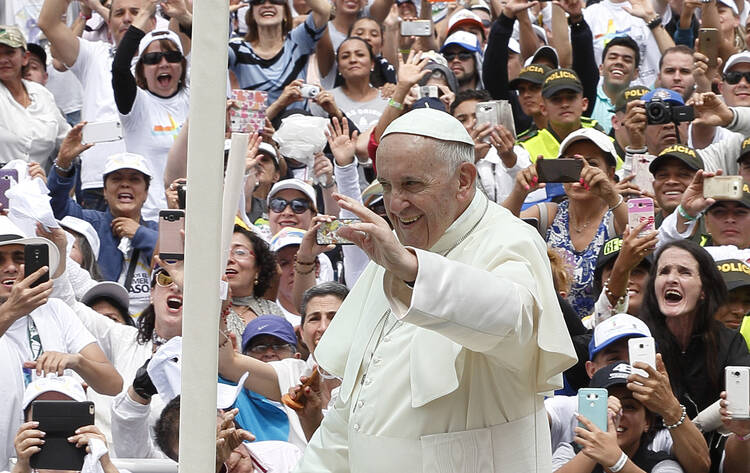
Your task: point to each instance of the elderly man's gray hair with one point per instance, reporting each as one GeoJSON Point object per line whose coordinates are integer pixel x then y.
{"type": "Point", "coordinates": [453, 152]}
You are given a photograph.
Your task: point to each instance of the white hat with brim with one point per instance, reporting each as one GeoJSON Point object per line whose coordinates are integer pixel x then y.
{"type": "Point", "coordinates": [84, 228]}
{"type": "Point", "coordinates": [126, 161]}
{"type": "Point", "coordinates": [10, 234]}
{"type": "Point", "coordinates": [739, 58]}
{"type": "Point", "coordinates": [66, 385]}
{"type": "Point", "coordinates": [109, 290]}
{"type": "Point", "coordinates": [732, 5]}
{"type": "Point", "coordinates": [464, 39]}
{"type": "Point", "coordinates": [156, 36]}
{"type": "Point", "coordinates": [286, 237]}
{"type": "Point", "coordinates": [602, 141]}
{"type": "Point", "coordinates": [267, 148]}
{"type": "Point", "coordinates": [296, 184]}
{"type": "Point", "coordinates": [430, 123]}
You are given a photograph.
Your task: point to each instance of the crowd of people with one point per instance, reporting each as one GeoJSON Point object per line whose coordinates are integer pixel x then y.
{"type": "Point", "coordinates": [482, 167]}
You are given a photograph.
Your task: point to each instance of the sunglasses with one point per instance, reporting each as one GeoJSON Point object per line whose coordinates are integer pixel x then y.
{"type": "Point", "coordinates": [261, 2]}
{"type": "Point", "coordinates": [163, 279]}
{"type": "Point", "coordinates": [299, 206]}
{"type": "Point", "coordinates": [155, 58]}
{"type": "Point", "coordinates": [462, 56]}
{"type": "Point", "coordinates": [734, 77]}
{"type": "Point", "coordinates": [241, 252]}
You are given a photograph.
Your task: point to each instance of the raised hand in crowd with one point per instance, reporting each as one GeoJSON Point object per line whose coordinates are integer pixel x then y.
{"type": "Point", "coordinates": [711, 110]}
{"type": "Point", "coordinates": [693, 203]}
{"type": "Point", "coordinates": [228, 439]}
{"type": "Point", "coordinates": [635, 122]}
{"type": "Point", "coordinates": [512, 8]}
{"type": "Point", "coordinates": [625, 187]}
{"type": "Point", "coordinates": [480, 134]}
{"type": "Point", "coordinates": [173, 196]}
{"type": "Point", "coordinates": [634, 249]}
{"type": "Point", "coordinates": [180, 10]}
{"type": "Point", "coordinates": [597, 446]}
{"type": "Point", "coordinates": [342, 145]}
{"type": "Point", "coordinates": [328, 103]}
{"type": "Point", "coordinates": [702, 74]}
{"type": "Point", "coordinates": [23, 298]}
{"type": "Point", "coordinates": [292, 93]}
{"type": "Point", "coordinates": [309, 395]}
{"type": "Point", "coordinates": [59, 237]}
{"type": "Point", "coordinates": [737, 449]}
{"type": "Point", "coordinates": [36, 170]}
{"type": "Point", "coordinates": [71, 147]}
{"type": "Point", "coordinates": [503, 141]}
{"type": "Point", "coordinates": [574, 8]}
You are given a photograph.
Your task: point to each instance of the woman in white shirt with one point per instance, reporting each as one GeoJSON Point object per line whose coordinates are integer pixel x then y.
{"type": "Point", "coordinates": [31, 125]}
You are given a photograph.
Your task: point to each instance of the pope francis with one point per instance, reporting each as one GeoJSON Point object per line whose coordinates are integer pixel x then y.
{"type": "Point", "coordinates": [452, 334]}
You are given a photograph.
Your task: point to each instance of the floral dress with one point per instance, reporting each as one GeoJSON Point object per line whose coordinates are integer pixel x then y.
{"type": "Point", "coordinates": [581, 295]}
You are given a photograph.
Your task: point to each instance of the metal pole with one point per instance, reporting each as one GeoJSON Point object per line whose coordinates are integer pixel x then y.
{"type": "Point", "coordinates": [200, 322]}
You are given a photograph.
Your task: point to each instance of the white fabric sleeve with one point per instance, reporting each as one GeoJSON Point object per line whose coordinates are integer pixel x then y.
{"type": "Point", "coordinates": [668, 230]}
{"type": "Point", "coordinates": [562, 455]}
{"type": "Point", "coordinates": [667, 466]}
{"type": "Point", "coordinates": [355, 260]}
{"type": "Point", "coordinates": [74, 334]}
{"type": "Point", "coordinates": [106, 331]}
{"type": "Point", "coordinates": [328, 449]}
{"type": "Point", "coordinates": [604, 310]}
{"type": "Point", "coordinates": [130, 435]}
{"type": "Point", "coordinates": [522, 156]}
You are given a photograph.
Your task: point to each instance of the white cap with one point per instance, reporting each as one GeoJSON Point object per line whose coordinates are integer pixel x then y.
{"type": "Point", "coordinates": [738, 58]}
{"type": "Point", "coordinates": [296, 184]}
{"type": "Point", "coordinates": [156, 35]}
{"type": "Point", "coordinates": [602, 141]}
{"type": "Point", "coordinates": [268, 149]}
{"type": "Point", "coordinates": [464, 17]}
{"type": "Point", "coordinates": [466, 40]}
{"type": "Point", "coordinates": [614, 328]}
{"type": "Point", "coordinates": [84, 228]}
{"type": "Point", "coordinates": [287, 236]}
{"type": "Point", "coordinates": [10, 234]}
{"type": "Point", "coordinates": [480, 5]}
{"type": "Point", "coordinates": [430, 123]}
{"type": "Point", "coordinates": [732, 5]}
{"type": "Point", "coordinates": [60, 384]}
{"type": "Point", "coordinates": [126, 161]}
{"type": "Point", "coordinates": [108, 289]}
{"type": "Point", "coordinates": [544, 51]}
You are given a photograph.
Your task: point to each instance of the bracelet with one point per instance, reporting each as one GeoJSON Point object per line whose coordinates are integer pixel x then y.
{"type": "Point", "coordinates": [60, 168]}
{"type": "Point", "coordinates": [330, 184]}
{"type": "Point", "coordinates": [297, 270]}
{"type": "Point", "coordinates": [683, 213]}
{"type": "Point", "coordinates": [394, 104]}
{"type": "Point", "coordinates": [744, 438]}
{"type": "Point", "coordinates": [619, 203]}
{"type": "Point", "coordinates": [656, 21]}
{"type": "Point", "coordinates": [679, 422]}
{"type": "Point", "coordinates": [618, 300]}
{"type": "Point", "coordinates": [302, 263]}
{"type": "Point", "coordinates": [620, 464]}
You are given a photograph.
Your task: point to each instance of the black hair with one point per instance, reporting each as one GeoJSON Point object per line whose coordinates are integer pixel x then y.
{"type": "Point", "coordinates": [626, 41]}
{"type": "Point", "coordinates": [167, 428]}
{"type": "Point", "coordinates": [88, 258]}
{"type": "Point", "coordinates": [147, 321]}
{"type": "Point", "coordinates": [330, 288]}
{"type": "Point", "coordinates": [351, 28]}
{"type": "Point", "coordinates": [121, 310]}
{"type": "Point", "coordinates": [470, 94]}
{"type": "Point", "coordinates": [265, 260]}
{"type": "Point", "coordinates": [714, 295]}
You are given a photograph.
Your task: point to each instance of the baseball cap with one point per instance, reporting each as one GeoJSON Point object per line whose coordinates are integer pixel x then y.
{"type": "Point", "coordinates": [269, 324]}
{"type": "Point", "coordinates": [84, 228]}
{"type": "Point", "coordinates": [156, 36]}
{"type": "Point", "coordinates": [12, 36]}
{"type": "Point", "coordinates": [430, 123]}
{"type": "Point", "coordinates": [614, 328]}
{"type": "Point", "coordinates": [533, 73]}
{"type": "Point", "coordinates": [544, 52]}
{"type": "Point", "coordinates": [429, 102]}
{"type": "Point", "coordinates": [480, 5]}
{"type": "Point", "coordinates": [602, 141]}
{"type": "Point", "coordinates": [10, 234]}
{"type": "Point", "coordinates": [287, 236]}
{"type": "Point", "coordinates": [464, 18]}
{"type": "Point", "coordinates": [734, 59]}
{"type": "Point", "coordinates": [664, 95]}
{"type": "Point", "coordinates": [109, 290]}
{"type": "Point", "coordinates": [60, 384]}
{"type": "Point", "coordinates": [38, 51]}
{"type": "Point", "coordinates": [561, 79]}
{"type": "Point", "coordinates": [687, 155]}
{"type": "Point", "coordinates": [735, 273]}
{"type": "Point", "coordinates": [267, 148]}
{"type": "Point", "coordinates": [126, 161]}
{"type": "Point", "coordinates": [466, 40]}
{"type": "Point", "coordinates": [628, 95]}
{"type": "Point", "coordinates": [744, 149]}
{"type": "Point", "coordinates": [611, 375]}
{"type": "Point", "coordinates": [296, 184]}
{"type": "Point", "coordinates": [732, 5]}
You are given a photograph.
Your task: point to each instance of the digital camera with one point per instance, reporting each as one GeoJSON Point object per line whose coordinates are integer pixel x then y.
{"type": "Point", "coordinates": [659, 112]}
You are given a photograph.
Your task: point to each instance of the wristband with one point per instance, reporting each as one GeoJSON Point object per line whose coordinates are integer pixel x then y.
{"type": "Point", "coordinates": [620, 464]}
{"type": "Point", "coordinates": [60, 168]}
{"type": "Point", "coordinates": [654, 23]}
{"type": "Point", "coordinates": [330, 184]}
{"type": "Point", "coordinates": [394, 104]}
{"type": "Point", "coordinates": [679, 422]}
{"type": "Point", "coordinates": [683, 213]}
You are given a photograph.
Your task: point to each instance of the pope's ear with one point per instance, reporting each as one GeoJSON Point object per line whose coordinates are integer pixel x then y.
{"type": "Point", "coordinates": [467, 176]}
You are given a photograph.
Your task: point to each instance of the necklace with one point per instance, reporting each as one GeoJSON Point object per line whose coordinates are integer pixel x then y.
{"type": "Point", "coordinates": [582, 228]}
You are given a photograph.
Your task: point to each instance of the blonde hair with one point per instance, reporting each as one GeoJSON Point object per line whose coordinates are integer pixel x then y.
{"type": "Point", "coordinates": [562, 273]}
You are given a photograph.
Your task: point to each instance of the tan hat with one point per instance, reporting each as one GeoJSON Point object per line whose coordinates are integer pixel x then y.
{"type": "Point", "coordinates": [12, 36]}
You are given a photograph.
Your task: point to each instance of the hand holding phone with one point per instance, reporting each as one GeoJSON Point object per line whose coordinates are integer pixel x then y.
{"type": "Point", "coordinates": [36, 257]}
{"type": "Point", "coordinates": [641, 210]}
{"type": "Point", "coordinates": [171, 245]}
{"type": "Point", "coordinates": [642, 349]}
{"type": "Point", "coordinates": [328, 232]}
{"type": "Point", "coordinates": [737, 380]}
{"type": "Point", "coordinates": [101, 132]}
{"type": "Point", "coordinates": [723, 187]}
{"type": "Point", "coordinates": [592, 404]}
{"type": "Point", "coordinates": [59, 420]}
{"type": "Point", "coordinates": [559, 170]}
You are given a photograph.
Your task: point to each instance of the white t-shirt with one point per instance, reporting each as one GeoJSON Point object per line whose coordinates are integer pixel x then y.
{"type": "Point", "coordinates": [363, 114]}
{"type": "Point", "coordinates": [564, 453]}
{"type": "Point", "coordinates": [93, 68]}
{"type": "Point", "coordinates": [497, 180]}
{"type": "Point", "coordinates": [150, 130]}
{"type": "Point", "coordinates": [66, 89]}
{"type": "Point", "coordinates": [608, 20]}
{"type": "Point", "coordinates": [11, 393]}
{"type": "Point", "coordinates": [140, 286]}
{"type": "Point", "coordinates": [288, 371]}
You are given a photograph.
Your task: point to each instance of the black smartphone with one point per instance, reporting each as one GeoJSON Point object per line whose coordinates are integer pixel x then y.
{"type": "Point", "coordinates": [59, 420]}
{"type": "Point", "coordinates": [182, 195]}
{"type": "Point", "coordinates": [35, 257]}
{"type": "Point", "coordinates": [559, 170]}
{"type": "Point", "coordinates": [171, 247]}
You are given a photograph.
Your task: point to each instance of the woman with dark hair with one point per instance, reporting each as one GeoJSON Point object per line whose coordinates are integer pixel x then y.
{"type": "Point", "coordinates": [154, 103]}
{"type": "Point", "coordinates": [273, 53]}
{"type": "Point", "coordinates": [684, 291]}
{"type": "Point", "coordinates": [371, 31]}
{"type": "Point", "coordinates": [251, 269]}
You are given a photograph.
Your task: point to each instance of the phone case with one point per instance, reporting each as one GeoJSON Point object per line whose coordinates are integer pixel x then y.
{"type": "Point", "coordinates": [737, 379]}
{"type": "Point", "coordinates": [559, 170]}
{"type": "Point", "coordinates": [249, 113]}
{"type": "Point", "coordinates": [8, 174]}
{"type": "Point", "coordinates": [708, 44]}
{"type": "Point", "coordinates": [4, 186]}
{"type": "Point", "coordinates": [59, 420]}
{"type": "Point", "coordinates": [327, 232]}
{"type": "Point", "coordinates": [416, 28]}
{"type": "Point", "coordinates": [641, 210]}
{"type": "Point", "coordinates": [170, 240]}
{"type": "Point", "coordinates": [642, 349]}
{"type": "Point", "coordinates": [723, 187]}
{"type": "Point", "coordinates": [100, 132]}
{"type": "Point", "coordinates": [643, 177]}
{"type": "Point", "coordinates": [592, 404]}
{"type": "Point", "coordinates": [35, 257]}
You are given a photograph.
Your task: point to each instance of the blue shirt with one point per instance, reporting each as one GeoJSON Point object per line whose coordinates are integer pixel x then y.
{"type": "Point", "coordinates": [603, 108]}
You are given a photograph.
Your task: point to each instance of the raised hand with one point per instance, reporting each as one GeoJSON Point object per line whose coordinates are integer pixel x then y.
{"type": "Point", "coordinates": [413, 70]}
{"type": "Point", "coordinates": [342, 145]}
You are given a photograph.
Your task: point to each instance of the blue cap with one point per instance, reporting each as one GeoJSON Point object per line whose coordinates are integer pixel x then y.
{"type": "Point", "coordinates": [429, 102]}
{"type": "Point", "coordinates": [466, 40]}
{"type": "Point", "coordinates": [269, 324]}
{"type": "Point", "coordinates": [615, 328]}
{"type": "Point", "coordinates": [665, 95]}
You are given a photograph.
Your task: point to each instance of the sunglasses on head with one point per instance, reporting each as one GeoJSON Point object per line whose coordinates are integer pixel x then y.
{"type": "Point", "coordinates": [299, 206]}
{"type": "Point", "coordinates": [261, 2]}
{"type": "Point", "coordinates": [463, 56]}
{"type": "Point", "coordinates": [163, 279]}
{"type": "Point", "coordinates": [734, 77]}
{"type": "Point", "coordinates": [155, 57]}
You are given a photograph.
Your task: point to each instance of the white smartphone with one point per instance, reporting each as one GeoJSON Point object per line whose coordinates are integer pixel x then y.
{"type": "Point", "coordinates": [737, 380]}
{"type": "Point", "coordinates": [416, 28]}
{"type": "Point", "coordinates": [100, 132]}
{"type": "Point", "coordinates": [642, 349]}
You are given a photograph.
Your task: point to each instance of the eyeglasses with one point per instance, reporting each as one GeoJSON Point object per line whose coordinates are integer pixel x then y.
{"type": "Point", "coordinates": [734, 77]}
{"type": "Point", "coordinates": [241, 252]}
{"type": "Point", "coordinates": [155, 58]}
{"type": "Point", "coordinates": [163, 279]}
{"type": "Point", "coordinates": [261, 2]}
{"type": "Point", "coordinates": [462, 56]}
{"type": "Point", "coordinates": [486, 23]}
{"type": "Point", "coordinates": [299, 206]}
{"type": "Point", "coordinates": [258, 349]}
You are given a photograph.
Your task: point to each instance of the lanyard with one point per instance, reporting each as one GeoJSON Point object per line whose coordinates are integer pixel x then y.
{"type": "Point", "coordinates": [35, 341]}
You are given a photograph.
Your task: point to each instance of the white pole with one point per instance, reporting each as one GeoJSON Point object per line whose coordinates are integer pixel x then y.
{"type": "Point", "coordinates": [200, 323]}
{"type": "Point", "coordinates": [232, 190]}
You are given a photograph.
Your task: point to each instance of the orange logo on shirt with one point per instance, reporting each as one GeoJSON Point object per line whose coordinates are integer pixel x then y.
{"type": "Point", "coordinates": [172, 129]}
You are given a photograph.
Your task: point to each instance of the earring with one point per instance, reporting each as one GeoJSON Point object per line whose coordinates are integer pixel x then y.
{"type": "Point", "coordinates": [255, 282]}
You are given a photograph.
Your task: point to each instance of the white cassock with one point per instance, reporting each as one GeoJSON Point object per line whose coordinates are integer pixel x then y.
{"type": "Point", "coordinates": [447, 377]}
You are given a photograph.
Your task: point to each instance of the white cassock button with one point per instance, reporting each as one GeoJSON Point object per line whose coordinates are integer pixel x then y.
{"type": "Point", "coordinates": [360, 404]}
{"type": "Point", "coordinates": [355, 427]}
{"type": "Point", "coordinates": [376, 361]}
{"type": "Point", "coordinates": [386, 339]}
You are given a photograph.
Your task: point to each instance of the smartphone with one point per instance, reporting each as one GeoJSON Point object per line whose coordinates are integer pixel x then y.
{"type": "Point", "coordinates": [35, 257]}
{"type": "Point", "coordinates": [592, 404]}
{"type": "Point", "coordinates": [8, 174]}
{"type": "Point", "coordinates": [59, 420]}
{"type": "Point", "coordinates": [171, 247]}
{"type": "Point", "coordinates": [708, 44]}
{"type": "Point", "coordinates": [428, 91]}
{"type": "Point", "coordinates": [559, 170]}
{"type": "Point", "coordinates": [737, 379]}
{"type": "Point", "coordinates": [100, 132]}
{"type": "Point", "coordinates": [642, 349]}
{"type": "Point", "coordinates": [4, 201]}
{"type": "Point", "coordinates": [641, 210]}
{"type": "Point", "coordinates": [416, 28]}
{"type": "Point", "coordinates": [723, 187]}
{"type": "Point", "coordinates": [327, 233]}
{"type": "Point", "coordinates": [182, 195]}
